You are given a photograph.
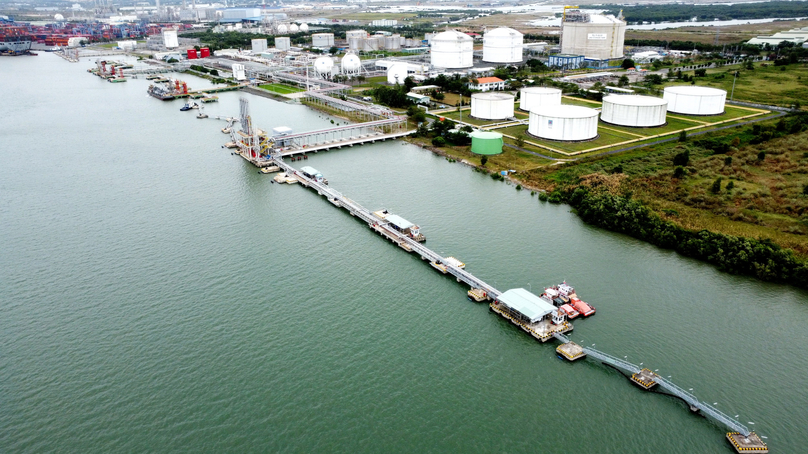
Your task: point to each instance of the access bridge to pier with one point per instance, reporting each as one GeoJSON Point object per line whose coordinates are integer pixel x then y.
{"type": "Point", "coordinates": [742, 439]}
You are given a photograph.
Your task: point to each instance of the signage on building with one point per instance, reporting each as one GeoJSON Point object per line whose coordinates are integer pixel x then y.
{"type": "Point", "coordinates": [599, 36]}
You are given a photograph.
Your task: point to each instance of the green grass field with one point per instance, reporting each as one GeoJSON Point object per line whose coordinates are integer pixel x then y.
{"type": "Point", "coordinates": [281, 88]}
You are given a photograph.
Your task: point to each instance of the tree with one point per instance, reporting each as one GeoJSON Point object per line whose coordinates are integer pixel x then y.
{"type": "Point", "coordinates": [730, 186]}
{"type": "Point", "coordinates": [214, 72]}
{"type": "Point", "coordinates": [678, 172]}
{"type": "Point", "coordinates": [623, 81]}
{"type": "Point", "coordinates": [333, 50]}
{"type": "Point", "coordinates": [628, 63]}
{"type": "Point", "coordinates": [439, 96]}
{"type": "Point", "coordinates": [438, 141]}
{"type": "Point", "coordinates": [761, 156]}
{"type": "Point", "coordinates": [653, 79]}
{"type": "Point", "coordinates": [716, 188]}
{"type": "Point", "coordinates": [520, 140]}
{"type": "Point", "coordinates": [409, 83]}
{"type": "Point", "coordinates": [700, 72]}
{"type": "Point", "coordinates": [682, 159]}
{"type": "Point", "coordinates": [484, 159]}
{"type": "Point", "coordinates": [682, 136]}
{"type": "Point", "coordinates": [728, 161]}
{"type": "Point", "coordinates": [419, 117]}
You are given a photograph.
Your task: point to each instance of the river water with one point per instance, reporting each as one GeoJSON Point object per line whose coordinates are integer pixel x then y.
{"type": "Point", "coordinates": [161, 295]}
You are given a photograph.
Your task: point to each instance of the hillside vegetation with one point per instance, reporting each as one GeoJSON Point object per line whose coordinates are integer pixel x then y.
{"type": "Point", "coordinates": [737, 198]}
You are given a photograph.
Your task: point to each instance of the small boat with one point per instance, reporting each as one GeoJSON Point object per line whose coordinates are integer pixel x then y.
{"type": "Point", "coordinates": [188, 106]}
{"type": "Point", "coordinates": [583, 308]}
{"type": "Point", "coordinates": [226, 130]}
{"type": "Point", "coordinates": [570, 311]}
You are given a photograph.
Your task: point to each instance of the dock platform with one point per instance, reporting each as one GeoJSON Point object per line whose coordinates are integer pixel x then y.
{"type": "Point", "coordinates": [571, 351]}
{"type": "Point", "coordinates": [645, 379]}
{"type": "Point", "coordinates": [543, 330]}
{"type": "Point", "coordinates": [750, 443]}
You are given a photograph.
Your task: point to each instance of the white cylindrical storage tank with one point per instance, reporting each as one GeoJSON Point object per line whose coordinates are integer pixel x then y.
{"type": "Point", "coordinates": [693, 100]}
{"type": "Point", "coordinates": [282, 29]}
{"type": "Point", "coordinates": [392, 42]}
{"type": "Point", "coordinates": [532, 97]}
{"type": "Point", "coordinates": [564, 122]}
{"type": "Point", "coordinates": [492, 106]}
{"type": "Point", "coordinates": [322, 39]}
{"type": "Point", "coordinates": [634, 111]}
{"type": "Point", "coordinates": [351, 64]}
{"type": "Point", "coordinates": [294, 28]}
{"type": "Point", "coordinates": [283, 43]}
{"type": "Point", "coordinates": [304, 27]}
{"type": "Point", "coordinates": [355, 34]}
{"type": "Point", "coordinates": [452, 49]}
{"type": "Point", "coordinates": [502, 45]}
{"type": "Point", "coordinates": [324, 66]}
{"type": "Point", "coordinates": [397, 72]}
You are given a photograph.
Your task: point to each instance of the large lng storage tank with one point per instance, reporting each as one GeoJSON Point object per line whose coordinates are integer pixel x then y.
{"type": "Point", "coordinates": [492, 105]}
{"type": "Point", "coordinates": [594, 36]}
{"type": "Point", "coordinates": [283, 43]}
{"type": "Point", "coordinates": [532, 97]}
{"type": "Point", "coordinates": [486, 142]}
{"type": "Point", "coordinates": [567, 123]}
{"type": "Point", "coordinates": [692, 100]}
{"type": "Point", "coordinates": [502, 45]}
{"type": "Point", "coordinates": [322, 39]}
{"type": "Point", "coordinates": [452, 49]}
{"type": "Point", "coordinates": [634, 111]}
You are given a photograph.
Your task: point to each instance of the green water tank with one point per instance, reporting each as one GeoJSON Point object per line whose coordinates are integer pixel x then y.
{"type": "Point", "coordinates": [486, 142]}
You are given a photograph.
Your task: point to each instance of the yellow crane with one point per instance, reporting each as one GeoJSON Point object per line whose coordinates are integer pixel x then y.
{"type": "Point", "coordinates": [564, 16]}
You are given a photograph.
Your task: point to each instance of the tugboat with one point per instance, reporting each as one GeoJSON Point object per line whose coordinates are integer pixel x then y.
{"type": "Point", "coordinates": [201, 113]}
{"type": "Point", "coordinates": [189, 105]}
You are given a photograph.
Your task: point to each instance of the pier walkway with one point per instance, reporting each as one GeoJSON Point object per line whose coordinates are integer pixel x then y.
{"type": "Point", "coordinates": [339, 136]}
{"type": "Point", "coordinates": [667, 385]}
{"type": "Point", "coordinates": [410, 245]}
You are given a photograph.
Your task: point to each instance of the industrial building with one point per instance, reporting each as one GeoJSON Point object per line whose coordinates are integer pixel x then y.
{"type": "Point", "coordinates": [487, 84]}
{"type": "Point", "coordinates": [526, 306]}
{"type": "Point", "coordinates": [533, 97]}
{"type": "Point", "coordinates": [502, 45]}
{"type": "Point", "coordinates": [796, 36]}
{"type": "Point", "coordinates": [452, 49]}
{"type": "Point", "coordinates": [492, 106]}
{"type": "Point", "coordinates": [634, 111]}
{"type": "Point", "coordinates": [594, 36]}
{"type": "Point", "coordinates": [239, 72]}
{"type": "Point", "coordinates": [241, 15]}
{"type": "Point", "coordinates": [564, 122]}
{"type": "Point", "coordinates": [694, 100]}
{"type": "Point", "coordinates": [565, 61]}
{"type": "Point", "coordinates": [170, 40]}
{"type": "Point", "coordinates": [486, 142]}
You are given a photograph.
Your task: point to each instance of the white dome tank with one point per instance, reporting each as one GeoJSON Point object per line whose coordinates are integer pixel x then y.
{"type": "Point", "coordinates": [350, 64]}
{"type": "Point", "coordinates": [397, 72]}
{"type": "Point", "coordinates": [692, 100]}
{"type": "Point", "coordinates": [452, 49]}
{"type": "Point", "coordinates": [294, 28]}
{"type": "Point", "coordinates": [634, 111]}
{"type": "Point", "coordinates": [502, 45]}
{"type": "Point", "coordinates": [304, 27]}
{"type": "Point", "coordinates": [282, 29]}
{"type": "Point", "coordinates": [567, 123]}
{"type": "Point", "coordinates": [533, 97]}
{"type": "Point", "coordinates": [324, 66]}
{"type": "Point", "coordinates": [58, 18]}
{"type": "Point", "coordinates": [492, 106]}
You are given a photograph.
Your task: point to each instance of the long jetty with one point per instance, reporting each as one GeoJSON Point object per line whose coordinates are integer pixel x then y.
{"type": "Point", "coordinates": [742, 439]}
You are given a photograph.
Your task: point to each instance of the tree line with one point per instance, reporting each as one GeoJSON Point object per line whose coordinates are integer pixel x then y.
{"type": "Point", "coordinates": [686, 12]}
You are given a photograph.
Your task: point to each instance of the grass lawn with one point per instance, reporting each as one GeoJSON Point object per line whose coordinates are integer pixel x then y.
{"type": "Point", "coordinates": [569, 100]}
{"type": "Point", "coordinates": [674, 125]}
{"type": "Point", "coordinates": [777, 85]}
{"type": "Point", "coordinates": [467, 118]}
{"type": "Point", "coordinates": [282, 89]}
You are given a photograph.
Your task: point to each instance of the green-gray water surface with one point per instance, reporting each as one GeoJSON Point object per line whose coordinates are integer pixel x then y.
{"type": "Point", "coordinates": [158, 294]}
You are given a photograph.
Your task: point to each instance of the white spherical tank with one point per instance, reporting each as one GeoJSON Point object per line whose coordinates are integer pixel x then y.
{"type": "Point", "coordinates": [351, 64]}
{"type": "Point", "coordinates": [324, 66]}
{"type": "Point", "coordinates": [304, 27]}
{"type": "Point", "coordinates": [492, 106]}
{"type": "Point", "coordinates": [533, 97]}
{"type": "Point", "coordinates": [567, 123]}
{"type": "Point", "coordinates": [452, 49]}
{"type": "Point", "coordinates": [58, 18]}
{"type": "Point", "coordinates": [634, 111]}
{"type": "Point", "coordinates": [282, 29]}
{"type": "Point", "coordinates": [293, 28]}
{"type": "Point", "coordinates": [692, 100]}
{"type": "Point", "coordinates": [397, 72]}
{"type": "Point", "coordinates": [502, 45]}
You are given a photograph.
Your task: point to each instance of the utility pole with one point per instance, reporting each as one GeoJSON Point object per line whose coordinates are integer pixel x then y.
{"type": "Point", "coordinates": [732, 93]}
